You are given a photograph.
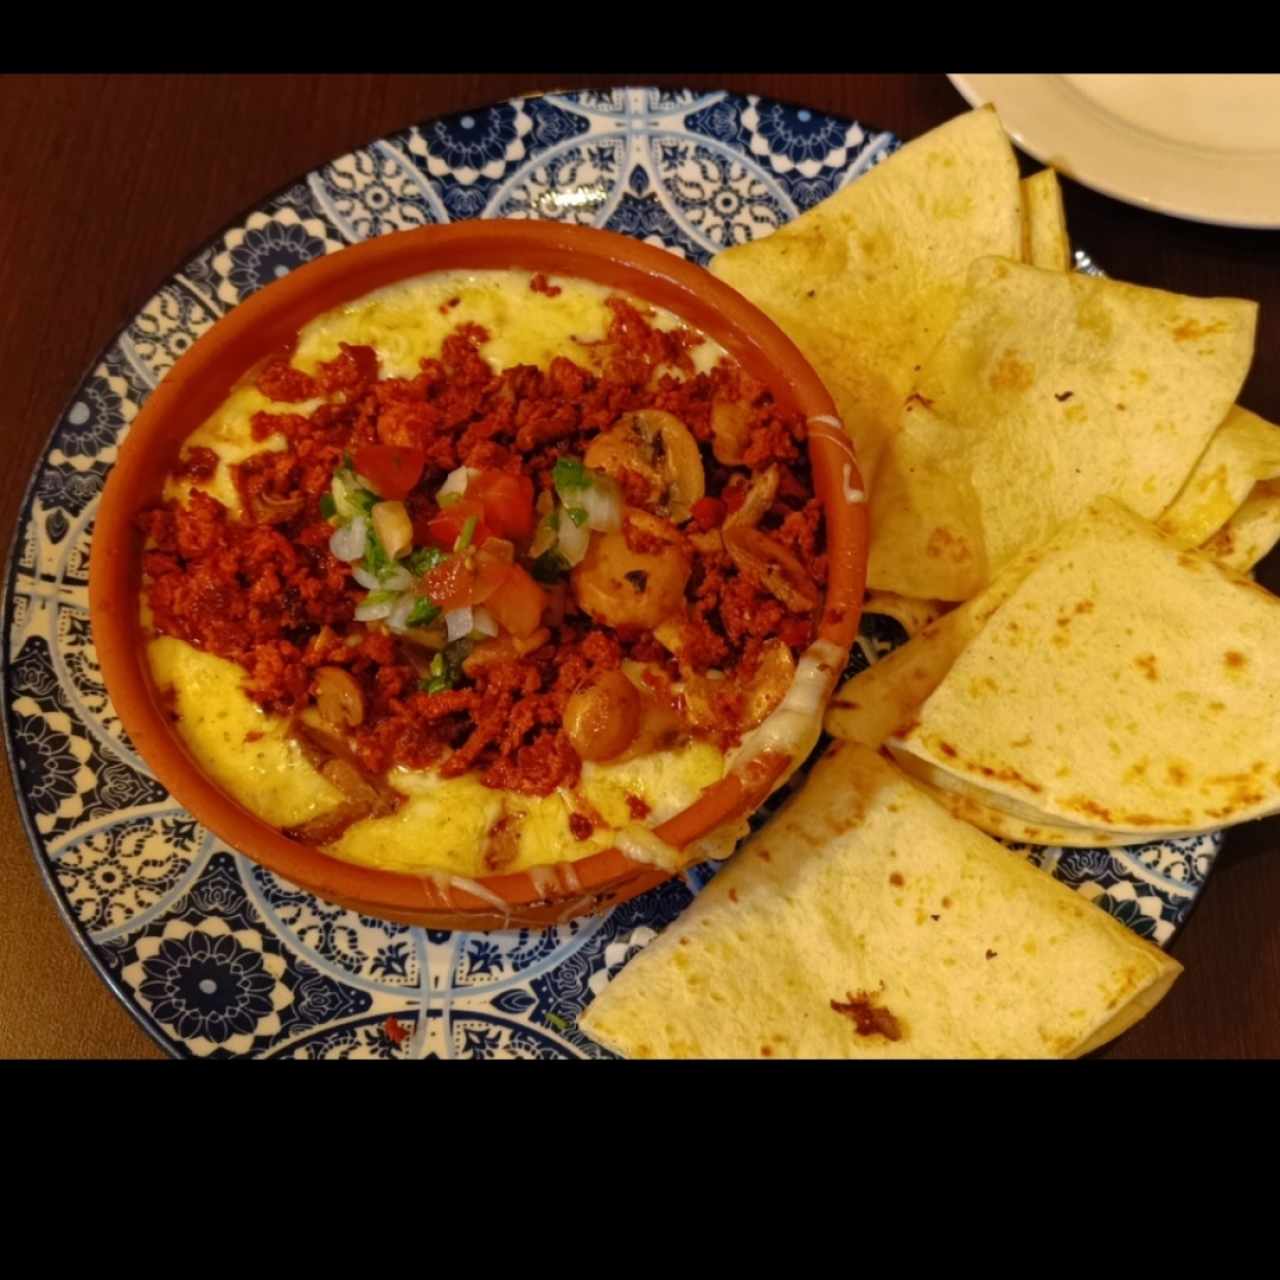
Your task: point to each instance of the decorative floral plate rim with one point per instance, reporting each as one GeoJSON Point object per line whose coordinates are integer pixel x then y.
{"type": "Point", "coordinates": [216, 957]}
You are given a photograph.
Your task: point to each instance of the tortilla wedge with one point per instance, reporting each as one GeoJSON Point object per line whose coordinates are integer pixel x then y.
{"type": "Point", "coordinates": [872, 706]}
{"type": "Point", "coordinates": [866, 922]}
{"type": "Point", "coordinates": [1045, 242]}
{"type": "Point", "coordinates": [1048, 390]}
{"type": "Point", "coordinates": [1163, 676]}
{"type": "Point", "coordinates": [1251, 533]}
{"type": "Point", "coordinates": [968, 803]}
{"type": "Point", "coordinates": [867, 281]}
{"type": "Point", "coordinates": [1244, 451]}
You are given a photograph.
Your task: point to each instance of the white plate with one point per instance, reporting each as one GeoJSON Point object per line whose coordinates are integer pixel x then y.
{"type": "Point", "coordinates": [1203, 147]}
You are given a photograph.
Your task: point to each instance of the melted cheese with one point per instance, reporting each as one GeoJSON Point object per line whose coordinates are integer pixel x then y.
{"type": "Point", "coordinates": [404, 323]}
{"type": "Point", "coordinates": [445, 822]}
{"type": "Point", "coordinates": [243, 749]}
{"type": "Point", "coordinates": [443, 825]}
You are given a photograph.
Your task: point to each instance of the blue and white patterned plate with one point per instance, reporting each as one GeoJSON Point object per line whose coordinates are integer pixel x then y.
{"type": "Point", "coordinates": [217, 957]}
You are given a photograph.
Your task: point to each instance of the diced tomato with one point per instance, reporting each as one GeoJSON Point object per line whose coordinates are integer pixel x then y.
{"type": "Point", "coordinates": [518, 604]}
{"type": "Point", "coordinates": [444, 529]}
{"type": "Point", "coordinates": [395, 1032]}
{"type": "Point", "coordinates": [491, 575]}
{"type": "Point", "coordinates": [450, 584]}
{"type": "Point", "coordinates": [507, 502]}
{"type": "Point", "coordinates": [391, 469]}
{"type": "Point", "coordinates": [708, 513]}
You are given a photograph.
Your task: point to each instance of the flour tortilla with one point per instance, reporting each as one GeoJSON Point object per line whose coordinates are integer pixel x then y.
{"type": "Point", "coordinates": [1045, 242]}
{"type": "Point", "coordinates": [867, 281]}
{"type": "Point", "coordinates": [1048, 390]}
{"type": "Point", "coordinates": [863, 886]}
{"type": "Point", "coordinates": [1243, 452]}
{"type": "Point", "coordinates": [1127, 686]}
{"type": "Point", "coordinates": [1251, 534]}
{"type": "Point", "coordinates": [969, 803]}
{"type": "Point", "coordinates": [872, 706]}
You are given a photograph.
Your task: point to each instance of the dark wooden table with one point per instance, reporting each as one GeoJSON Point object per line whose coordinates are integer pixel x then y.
{"type": "Point", "coordinates": [107, 183]}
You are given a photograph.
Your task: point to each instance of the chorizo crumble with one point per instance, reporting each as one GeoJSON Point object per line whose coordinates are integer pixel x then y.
{"type": "Point", "coordinates": [263, 587]}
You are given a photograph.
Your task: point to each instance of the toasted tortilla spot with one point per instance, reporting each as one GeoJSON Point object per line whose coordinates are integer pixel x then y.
{"type": "Point", "coordinates": [1192, 330]}
{"type": "Point", "coordinates": [1177, 774]}
{"type": "Point", "coordinates": [1012, 374]}
{"type": "Point", "coordinates": [1082, 804]}
{"type": "Point", "coordinates": [1146, 663]}
{"type": "Point", "coordinates": [943, 544]}
{"type": "Point", "coordinates": [1235, 659]}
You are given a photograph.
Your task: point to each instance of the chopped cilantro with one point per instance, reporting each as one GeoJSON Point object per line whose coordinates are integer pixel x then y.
{"type": "Point", "coordinates": [328, 507]}
{"type": "Point", "coordinates": [376, 560]}
{"type": "Point", "coordinates": [423, 613]}
{"type": "Point", "coordinates": [556, 1021]}
{"type": "Point", "coordinates": [446, 667]}
{"type": "Point", "coordinates": [570, 473]}
{"type": "Point", "coordinates": [424, 559]}
{"type": "Point", "coordinates": [350, 497]}
{"type": "Point", "coordinates": [578, 515]}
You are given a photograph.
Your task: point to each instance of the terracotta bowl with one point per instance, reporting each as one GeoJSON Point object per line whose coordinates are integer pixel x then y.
{"type": "Point", "coordinates": [205, 375]}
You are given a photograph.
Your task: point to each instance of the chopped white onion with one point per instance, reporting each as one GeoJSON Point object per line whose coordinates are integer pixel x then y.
{"type": "Point", "coordinates": [456, 482]}
{"type": "Point", "coordinates": [544, 538]}
{"type": "Point", "coordinates": [459, 622]}
{"type": "Point", "coordinates": [574, 539]}
{"type": "Point", "coordinates": [602, 501]}
{"type": "Point", "coordinates": [348, 540]}
{"type": "Point", "coordinates": [483, 623]}
{"type": "Point", "coordinates": [398, 618]}
{"type": "Point", "coordinates": [398, 579]}
{"type": "Point", "coordinates": [378, 605]}
{"type": "Point", "coordinates": [366, 579]}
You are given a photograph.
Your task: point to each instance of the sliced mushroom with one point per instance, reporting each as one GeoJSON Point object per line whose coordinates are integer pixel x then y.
{"type": "Point", "coordinates": [339, 698]}
{"type": "Point", "coordinates": [624, 588]}
{"type": "Point", "coordinates": [769, 564]}
{"type": "Point", "coordinates": [337, 764]}
{"type": "Point", "coordinates": [602, 718]}
{"type": "Point", "coordinates": [324, 828]}
{"type": "Point", "coordinates": [760, 497]}
{"type": "Point", "coordinates": [269, 508]}
{"type": "Point", "coordinates": [657, 446]}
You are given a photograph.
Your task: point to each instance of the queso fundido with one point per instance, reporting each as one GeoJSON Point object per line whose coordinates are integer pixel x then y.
{"type": "Point", "coordinates": [485, 569]}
